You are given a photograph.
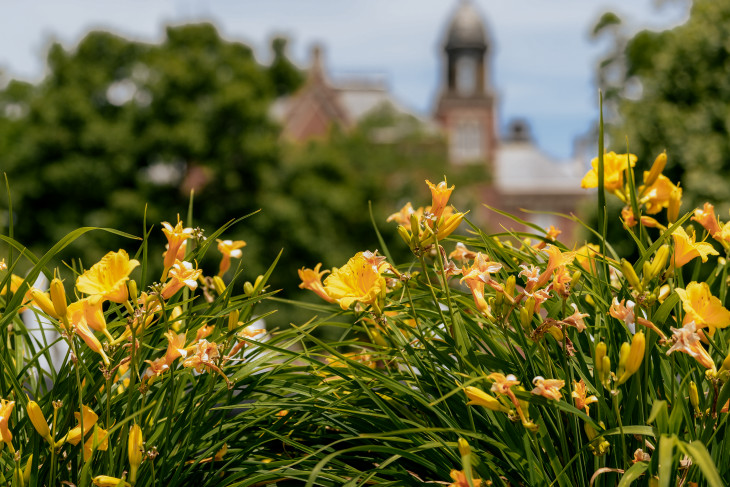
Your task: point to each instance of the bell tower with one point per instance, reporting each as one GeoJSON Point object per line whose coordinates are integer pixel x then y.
{"type": "Point", "coordinates": [465, 107]}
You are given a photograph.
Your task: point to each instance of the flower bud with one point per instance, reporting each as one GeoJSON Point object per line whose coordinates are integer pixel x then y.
{"type": "Point", "coordinates": [478, 397]}
{"type": "Point", "coordinates": [135, 447]}
{"type": "Point", "coordinates": [219, 285]}
{"type": "Point", "coordinates": [233, 320]}
{"type": "Point", "coordinates": [464, 448]}
{"type": "Point", "coordinates": [509, 286]}
{"type": "Point", "coordinates": [248, 288]}
{"type": "Point", "coordinates": [598, 360]}
{"type": "Point", "coordinates": [525, 318]}
{"type": "Point", "coordinates": [623, 356]}
{"type": "Point", "coordinates": [26, 471]}
{"type": "Point", "coordinates": [630, 274]}
{"type": "Point", "coordinates": [133, 291]}
{"type": "Point", "coordinates": [404, 234]}
{"type": "Point", "coordinates": [107, 481]}
{"type": "Point", "coordinates": [664, 293]}
{"type": "Point", "coordinates": [660, 261]}
{"type": "Point", "coordinates": [39, 421]}
{"type": "Point", "coordinates": [575, 279]}
{"type": "Point", "coordinates": [58, 297]}
{"type": "Point", "coordinates": [635, 356]}
{"type": "Point", "coordinates": [675, 201]}
{"type": "Point", "coordinates": [656, 169]}
{"type": "Point", "coordinates": [694, 397]}
{"type": "Point", "coordinates": [556, 333]}
{"type": "Point", "coordinates": [43, 301]}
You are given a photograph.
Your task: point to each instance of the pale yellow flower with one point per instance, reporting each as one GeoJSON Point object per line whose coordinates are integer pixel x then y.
{"type": "Point", "coordinates": [98, 439]}
{"type": "Point", "coordinates": [108, 277]}
{"type": "Point", "coordinates": [687, 340]}
{"type": "Point", "coordinates": [181, 274]}
{"type": "Point", "coordinates": [576, 319]}
{"type": "Point", "coordinates": [614, 166]}
{"type": "Point", "coordinates": [360, 280]}
{"type": "Point", "coordinates": [229, 249]}
{"type": "Point", "coordinates": [461, 253]}
{"type": "Point", "coordinates": [548, 388]}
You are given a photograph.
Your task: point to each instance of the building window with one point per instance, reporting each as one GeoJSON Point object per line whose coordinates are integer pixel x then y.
{"type": "Point", "coordinates": [467, 142]}
{"type": "Point", "coordinates": [466, 76]}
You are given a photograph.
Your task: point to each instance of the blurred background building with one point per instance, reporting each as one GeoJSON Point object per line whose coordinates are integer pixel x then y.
{"type": "Point", "coordinates": [518, 174]}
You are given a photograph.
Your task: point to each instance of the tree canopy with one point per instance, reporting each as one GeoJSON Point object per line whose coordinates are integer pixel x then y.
{"type": "Point", "coordinates": [671, 90]}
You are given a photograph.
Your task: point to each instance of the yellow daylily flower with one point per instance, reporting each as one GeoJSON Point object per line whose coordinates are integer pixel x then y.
{"type": "Point", "coordinates": [658, 195]}
{"type": "Point", "coordinates": [6, 409]}
{"type": "Point", "coordinates": [614, 166]}
{"type": "Point", "coordinates": [229, 249]}
{"type": "Point", "coordinates": [360, 280]}
{"type": "Point", "coordinates": [108, 277]}
{"type": "Point", "coordinates": [702, 308]}
{"type": "Point", "coordinates": [460, 479]}
{"type": "Point", "coordinates": [312, 280]}
{"type": "Point", "coordinates": [580, 394]}
{"type": "Point", "coordinates": [686, 249]}
{"type": "Point", "coordinates": [403, 216]}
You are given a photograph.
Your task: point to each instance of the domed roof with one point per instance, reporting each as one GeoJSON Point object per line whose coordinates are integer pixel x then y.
{"type": "Point", "coordinates": [466, 29]}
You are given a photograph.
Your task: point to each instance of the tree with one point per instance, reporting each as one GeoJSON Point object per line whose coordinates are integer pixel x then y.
{"type": "Point", "coordinates": [671, 91]}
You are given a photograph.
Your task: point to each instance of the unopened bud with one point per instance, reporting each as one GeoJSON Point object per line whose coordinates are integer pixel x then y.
{"type": "Point", "coordinates": [27, 470]}
{"type": "Point", "coordinates": [598, 360]}
{"type": "Point", "coordinates": [219, 285]}
{"type": "Point", "coordinates": [635, 356]}
{"type": "Point", "coordinates": [675, 201]}
{"type": "Point", "coordinates": [656, 169]}
{"type": "Point", "coordinates": [630, 274]}
{"type": "Point", "coordinates": [135, 447]}
{"type": "Point", "coordinates": [464, 448]}
{"type": "Point", "coordinates": [43, 301]}
{"type": "Point", "coordinates": [132, 288]}
{"type": "Point", "coordinates": [556, 333]}
{"type": "Point", "coordinates": [404, 234]}
{"type": "Point", "coordinates": [525, 318]}
{"type": "Point", "coordinates": [39, 421]}
{"type": "Point", "coordinates": [509, 285]}
{"type": "Point", "coordinates": [58, 297]}
{"type": "Point", "coordinates": [660, 261]}
{"type": "Point", "coordinates": [664, 293]}
{"type": "Point", "coordinates": [575, 279]}
{"type": "Point", "coordinates": [247, 288]}
{"type": "Point", "coordinates": [694, 397]}
{"type": "Point", "coordinates": [233, 320]}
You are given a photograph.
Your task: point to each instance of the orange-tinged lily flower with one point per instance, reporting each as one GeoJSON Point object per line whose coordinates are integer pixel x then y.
{"type": "Point", "coordinates": [548, 388]}
{"type": "Point", "coordinates": [556, 259]}
{"type": "Point", "coordinates": [229, 249]}
{"type": "Point", "coordinates": [623, 312]}
{"type": "Point", "coordinates": [6, 409]}
{"type": "Point", "coordinates": [702, 308]}
{"type": "Point", "coordinates": [403, 217]}
{"type": "Point", "coordinates": [576, 319]}
{"type": "Point", "coordinates": [686, 249]}
{"type": "Point", "coordinates": [440, 194]}
{"type": "Point", "coordinates": [108, 277]}
{"type": "Point", "coordinates": [360, 280]}
{"type": "Point", "coordinates": [83, 330]}
{"type": "Point", "coordinates": [460, 480]}
{"type": "Point", "coordinates": [707, 218]}
{"type": "Point", "coordinates": [176, 237]}
{"type": "Point", "coordinates": [91, 312]}
{"type": "Point", "coordinates": [461, 253]}
{"type": "Point", "coordinates": [312, 280]}
{"type": "Point", "coordinates": [687, 340]}
{"type": "Point", "coordinates": [181, 274]}
{"type": "Point", "coordinates": [580, 394]}
{"type": "Point", "coordinates": [502, 383]}
{"type": "Point", "coordinates": [614, 166]}
{"type": "Point", "coordinates": [657, 195]}
{"type": "Point", "coordinates": [175, 346]}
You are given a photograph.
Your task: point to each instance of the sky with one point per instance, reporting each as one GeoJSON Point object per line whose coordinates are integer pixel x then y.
{"type": "Point", "coordinates": [543, 64]}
